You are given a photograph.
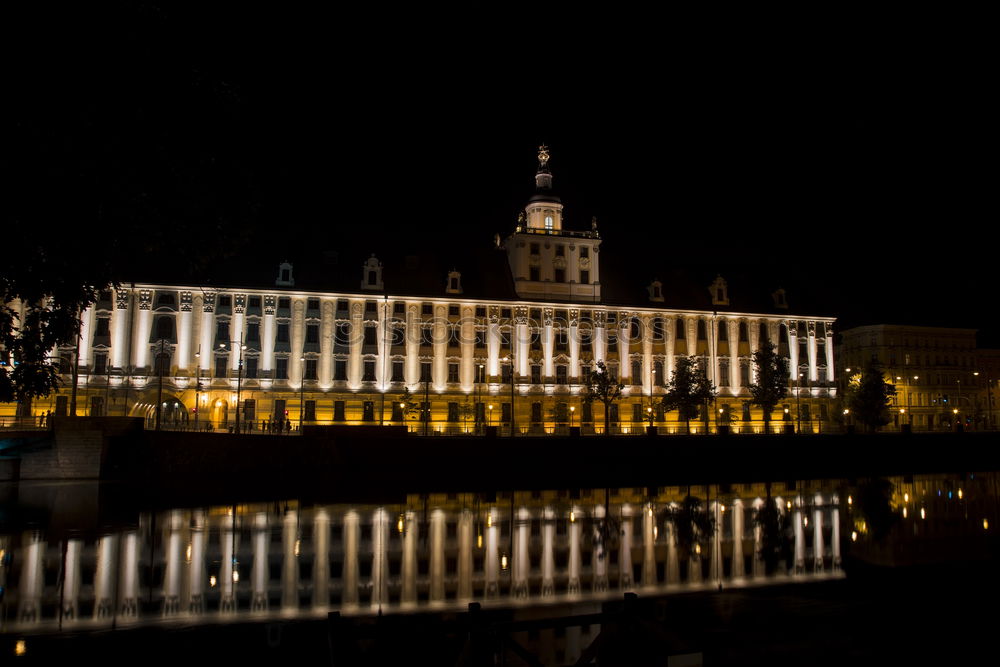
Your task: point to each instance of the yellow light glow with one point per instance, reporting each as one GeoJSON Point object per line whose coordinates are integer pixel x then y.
{"type": "Point", "coordinates": [850, 500]}
{"type": "Point", "coordinates": [986, 524]}
{"type": "Point", "coordinates": [923, 513]}
{"type": "Point", "coordinates": [805, 521]}
{"type": "Point", "coordinates": [656, 532]}
{"type": "Point", "coordinates": [789, 504]}
{"type": "Point", "coordinates": [187, 553]}
{"type": "Point", "coordinates": [489, 519]}
{"type": "Point", "coordinates": [906, 497]}
{"type": "Point", "coordinates": [20, 648]}
{"type": "Point", "coordinates": [212, 581]}
{"type": "Point", "coordinates": [479, 541]}
{"type": "Point", "coordinates": [854, 536]}
{"type": "Point", "coordinates": [298, 547]}
{"type": "Point", "coordinates": [236, 576]}
{"type": "Point", "coordinates": [697, 548]}
{"type": "Point", "coordinates": [572, 517]}
{"type": "Point", "coordinates": [503, 562]}
{"type": "Point", "coordinates": [960, 494]}
{"type": "Point", "coordinates": [904, 512]}
{"type": "Point", "coordinates": [399, 524]}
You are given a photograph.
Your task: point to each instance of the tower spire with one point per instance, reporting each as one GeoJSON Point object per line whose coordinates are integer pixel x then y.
{"type": "Point", "coordinates": [543, 177]}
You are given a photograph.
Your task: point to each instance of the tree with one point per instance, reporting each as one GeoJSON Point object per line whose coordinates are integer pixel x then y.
{"type": "Point", "coordinates": [869, 399]}
{"type": "Point", "coordinates": [771, 382]}
{"type": "Point", "coordinates": [604, 388]}
{"type": "Point", "coordinates": [693, 525]}
{"type": "Point", "coordinates": [408, 404]}
{"type": "Point", "coordinates": [688, 388]}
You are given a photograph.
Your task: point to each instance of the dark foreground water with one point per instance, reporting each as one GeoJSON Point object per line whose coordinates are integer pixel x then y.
{"type": "Point", "coordinates": [79, 569]}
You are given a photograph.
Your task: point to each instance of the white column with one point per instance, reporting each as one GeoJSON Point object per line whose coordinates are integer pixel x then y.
{"type": "Point", "coordinates": [297, 341]}
{"type": "Point", "coordinates": [261, 569]}
{"type": "Point", "coordinates": [548, 368]}
{"type": "Point", "coordinates": [670, 342]}
{"type": "Point", "coordinates": [437, 560]}
{"type": "Point", "coordinates": [467, 333]}
{"type": "Point", "coordinates": [321, 559]}
{"type": "Point", "coordinates": [119, 328]}
{"type": "Point", "coordinates": [734, 357]}
{"type": "Point", "coordinates": [465, 526]}
{"type": "Point", "coordinates": [267, 335]}
{"type": "Point", "coordinates": [71, 578]}
{"type": "Point", "coordinates": [196, 564]}
{"type": "Point", "coordinates": [493, 349]}
{"type": "Point", "coordinates": [185, 319]}
{"type": "Point", "coordinates": [573, 331]}
{"type": "Point", "coordinates": [228, 568]}
{"type": "Point", "coordinates": [599, 557]}
{"type": "Point", "coordinates": [380, 558]}
{"type": "Point", "coordinates": [86, 335]}
{"type": "Point", "coordinates": [813, 373]}
{"type": "Point", "coordinates": [737, 569]}
{"type": "Point", "coordinates": [818, 534]}
{"type": "Point", "coordinates": [521, 564]}
{"type": "Point", "coordinates": [548, 552]}
{"type": "Point", "coordinates": [290, 548]}
{"type": "Point", "coordinates": [673, 560]}
{"type": "Point", "coordinates": [491, 562]}
{"type": "Point", "coordinates": [835, 531]}
{"type": "Point", "coordinates": [349, 575]}
{"type": "Point", "coordinates": [648, 548]}
{"type": "Point", "coordinates": [793, 350]}
{"type": "Point", "coordinates": [128, 585]}
{"type": "Point", "coordinates": [647, 355]}
{"type": "Point", "coordinates": [32, 581]}
{"type": "Point", "coordinates": [599, 341]}
{"type": "Point", "coordinates": [411, 535]}
{"type": "Point", "coordinates": [140, 342]}
{"type": "Point", "coordinates": [624, 356]}
{"type": "Point", "coordinates": [207, 332]}
{"type": "Point", "coordinates": [625, 553]}
{"type": "Point", "coordinates": [412, 369]}
{"type": "Point", "coordinates": [520, 346]}
{"type": "Point", "coordinates": [800, 539]}
{"type": "Point", "coordinates": [573, 580]}
{"type": "Point", "coordinates": [357, 338]}
{"type": "Point", "coordinates": [439, 366]}
{"type": "Point", "coordinates": [830, 371]}
{"type": "Point", "coordinates": [104, 577]}
{"type": "Point", "coordinates": [326, 330]}
{"type": "Point", "coordinates": [173, 568]}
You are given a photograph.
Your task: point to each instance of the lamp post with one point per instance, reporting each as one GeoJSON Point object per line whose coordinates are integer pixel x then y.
{"type": "Point", "coordinates": [572, 409]}
{"type": "Point", "coordinates": [239, 380]}
{"type": "Point", "coordinates": [302, 394]}
{"type": "Point", "coordinates": [652, 377]}
{"type": "Point", "coordinates": [798, 407]}
{"type": "Point", "coordinates": [479, 394]}
{"type": "Point", "coordinates": [490, 416]}
{"type": "Point", "coordinates": [197, 386]}
{"type": "Point", "coordinates": [159, 391]}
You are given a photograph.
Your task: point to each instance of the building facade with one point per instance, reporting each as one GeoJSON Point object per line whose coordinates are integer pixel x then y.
{"type": "Point", "coordinates": [941, 378]}
{"type": "Point", "coordinates": [450, 361]}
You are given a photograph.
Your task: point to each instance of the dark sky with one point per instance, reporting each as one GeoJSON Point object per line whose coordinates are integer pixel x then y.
{"type": "Point", "coordinates": [853, 171]}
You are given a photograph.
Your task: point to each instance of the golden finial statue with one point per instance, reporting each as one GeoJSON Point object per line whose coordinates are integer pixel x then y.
{"type": "Point", "coordinates": [543, 155]}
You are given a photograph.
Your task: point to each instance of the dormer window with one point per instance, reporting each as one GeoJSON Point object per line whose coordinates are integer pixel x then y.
{"type": "Point", "coordinates": [719, 290]}
{"type": "Point", "coordinates": [285, 275]}
{"type": "Point", "coordinates": [548, 222]}
{"type": "Point", "coordinates": [372, 276]}
{"type": "Point", "coordinates": [655, 289]}
{"type": "Point", "coordinates": [454, 283]}
{"type": "Point", "coordinates": [779, 299]}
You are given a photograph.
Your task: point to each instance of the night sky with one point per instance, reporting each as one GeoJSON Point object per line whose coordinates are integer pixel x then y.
{"type": "Point", "coordinates": [853, 172]}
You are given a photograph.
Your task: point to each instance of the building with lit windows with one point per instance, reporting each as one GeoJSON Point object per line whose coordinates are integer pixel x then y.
{"type": "Point", "coordinates": [505, 336]}
{"type": "Point", "coordinates": [941, 378]}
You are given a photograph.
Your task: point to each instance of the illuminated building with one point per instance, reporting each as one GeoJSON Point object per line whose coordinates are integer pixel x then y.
{"type": "Point", "coordinates": [940, 377]}
{"type": "Point", "coordinates": [537, 310]}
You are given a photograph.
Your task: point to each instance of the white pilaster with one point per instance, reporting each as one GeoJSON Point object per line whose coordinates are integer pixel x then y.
{"type": "Point", "coordinates": [411, 535]}
{"type": "Point", "coordinates": [465, 526]}
{"type": "Point", "coordinates": [599, 557]}
{"type": "Point", "coordinates": [321, 559]}
{"type": "Point", "coordinates": [437, 560]}
{"type": "Point", "coordinates": [648, 548]}
{"type": "Point", "coordinates": [290, 549]}
{"type": "Point", "coordinates": [261, 570]}
{"type": "Point", "coordinates": [818, 546]}
{"type": "Point", "coordinates": [380, 559]}
{"type": "Point", "coordinates": [548, 552]}
{"type": "Point", "coordinates": [228, 567]}
{"type": "Point", "coordinates": [128, 584]}
{"type": "Point", "coordinates": [349, 574]}
{"type": "Point", "coordinates": [521, 563]}
{"type": "Point", "coordinates": [173, 569]}
{"type": "Point", "coordinates": [736, 571]}
{"type": "Point", "coordinates": [625, 553]}
{"type": "Point", "coordinates": [71, 579]}
{"type": "Point", "coordinates": [196, 564]}
{"type": "Point", "coordinates": [574, 564]}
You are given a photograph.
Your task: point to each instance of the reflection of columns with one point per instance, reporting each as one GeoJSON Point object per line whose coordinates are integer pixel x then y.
{"type": "Point", "coordinates": [129, 582]}
{"type": "Point", "coordinates": [758, 561]}
{"type": "Point", "coordinates": [349, 574]}
{"type": "Point", "coordinates": [321, 559]}
{"type": "Point", "coordinates": [521, 564]}
{"type": "Point", "coordinates": [673, 566]}
{"type": "Point", "coordinates": [625, 552]}
{"type": "Point", "coordinates": [290, 561]}
{"type": "Point", "coordinates": [715, 565]}
{"type": "Point", "coordinates": [437, 563]}
{"type": "Point", "coordinates": [196, 564]}
{"type": "Point", "coordinates": [380, 565]}
{"type": "Point", "coordinates": [173, 568]}
{"type": "Point", "coordinates": [800, 538]}
{"type": "Point", "coordinates": [465, 527]}
{"type": "Point", "coordinates": [648, 548]}
{"type": "Point", "coordinates": [228, 570]}
{"type": "Point", "coordinates": [71, 579]}
{"type": "Point", "coordinates": [599, 559]}
{"type": "Point", "coordinates": [261, 570]}
{"type": "Point", "coordinates": [835, 531]}
{"type": "Point", "coordinates": [548, 552]}
{"type": "Point", "coordinates": [573, 583]}
{"type": "Point", "coordinates": [818, 534]}
{"type": "Point", "coordinates": [491, 562]}
{"type": "Point", "coordinates": [411, 533]}
{"type": "Point", "coordinates": [104, 577]}
{"type": "Point", "coordinates": [694, 557]}
{"type": "Point", "coordinates": [736, 569]}
{"type": "Point", "coordinates": [29, 608]}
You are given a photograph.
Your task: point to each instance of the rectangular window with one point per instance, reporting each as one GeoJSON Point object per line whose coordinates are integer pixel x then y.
{"type": "Point", "coordinates": [505, 412]}
{"type": "Point", "coordinates": [312, 304]}
{"type": "Point", "coordinates": [637, 415]}
{"type": "Point", "coordinates": [281, 368]}
{"type": "Point", "coordinates": [397, 371]}
{"type": "Point", "coordinates": [452, 372]}
{"type": "Point", "coordinates": [584, 252]}
{"type": "Point", "coordinates": [342, 307]}
{"type": "Point", "coordinates": [636, 372]}
{"type": "Point", "coordinates": [310, 369]}
{"type": "Point", "coordinates": [723, 373]}
{"type": "Point", "coordinates": [584, 277]}
{"type": "Point", "coordinates": [425, 371]}
{"type": "Point", "coordinates": [560, 251]}
{"type": "Point", "coordinates": [480, 373]}
{"type": "Point", "coordinates": [536, 374]}
{"type": "Point", "coordinates": [100, 363]}
{"type": "Point", "coordinates": [250, 372]}
{"type": "Point", "coordinates": [284, 303]}
{"type": "Point", "coordinates": [249, 410]}
{"type": "Point", "coordinates": [368, 411]}
{"type": "Point", "coordinates": [533, 274]}
{"type": "Point", "coordinates": [312, 333]}
{"type": "Point", "coordinates": [371, 308]}
{"type": "Point", "coordinates": [222, 331]}
{"type": "Point", "coordinates": [280, 413]}
{"type": "Point", "coordinates": [561, 375]}
{"type": "Point", "coordinates": [505, 374]}
{"type": "Point", "coordinates": [310, 411]}
{"type": "Point", "coordinates": [338, 411]}
{"type": "Point", "coordinates": [253, 302]}
{"type": "Point", "coordinates": [427, 309]}
{"type": "Point", "coordinates": [221, 362]}
{"type": "Point", "coordinates": [560, 275]}
{"type": "Point", "coordinates": [744, 374]}
{"type": "Point", "coordinates": [340, 370]}
{"type": "Point", "coordinates": [369, 371]}
{"type": "Point", "coordinates": [534, 248]}
{"type": "Point", "coordinates": [453, 412]}
{"type": "Point", "coordinates": [370, 337]}
{"type": "Point", "coordinates": [426, 336]}
{"type": "Point", "coordinates": [224, 301]}
{"type": "Point", "coordinates": [282, 335]}
{"type": "Point", "coordinates": [253, 332]}
{"type": "Point", "coordinates": [103, 327]}
{"type": "Point", "coordinates": [342, 337]}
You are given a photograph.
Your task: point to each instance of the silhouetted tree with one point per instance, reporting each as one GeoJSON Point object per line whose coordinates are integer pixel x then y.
{"type": "Point", "coordinates": [604, 388]}
{"type": "Point", "coordinates": [688, 388]}
{"type": "Point", "coordinates": [770, 385]}
{"type": "Point", "coordinates": [871, 396]}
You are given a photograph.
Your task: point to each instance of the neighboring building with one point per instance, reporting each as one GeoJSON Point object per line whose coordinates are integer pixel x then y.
{"type": "Point", "coordinates": [537, 308]}
{"type": "Point", "coordinates": [941, 379]}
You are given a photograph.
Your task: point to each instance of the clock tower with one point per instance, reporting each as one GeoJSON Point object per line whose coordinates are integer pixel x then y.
{"type": "Point", "coordinates": [547, 261]}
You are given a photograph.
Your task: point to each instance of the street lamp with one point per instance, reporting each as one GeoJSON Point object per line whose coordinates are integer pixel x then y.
{"type": "Point", "coordinates": [302, 394]}
{"type": "Point", "coordinates": [798, 407]}
{"type": "Point", "coordinates": [479, 392]}
{"type": "Point", "coordinates": [239, 379]}
{"type": "Point", "coordinates": [159, 391]}
{"type": "Point", "coordinates": [490, 417]}
{"type": "Point", "coordinates": [652, 377]}
{"type": "Point", "coordinates": [572, 409]}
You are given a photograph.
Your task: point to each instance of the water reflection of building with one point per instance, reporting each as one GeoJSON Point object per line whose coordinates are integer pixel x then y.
{"type": "Point", "coordinates": [437, 551]}
{"type": "Point", "coordinates": [941, 378]}
{"type": "Point", "coordinates": [515, 332]}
